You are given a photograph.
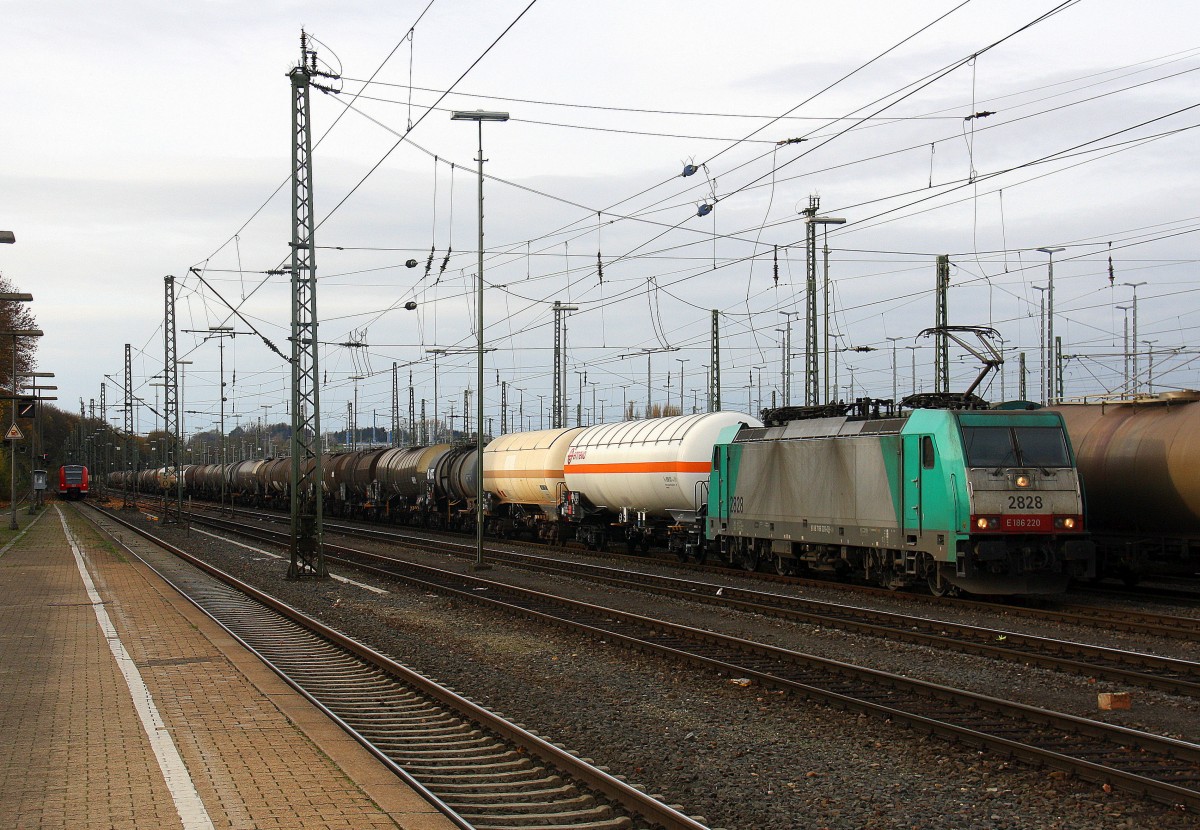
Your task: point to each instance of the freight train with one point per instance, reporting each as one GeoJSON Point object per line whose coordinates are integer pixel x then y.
{"type": "Point", "coordinates": [987, 502]}
{"type": "Point", "coordinates": [1140, 465]}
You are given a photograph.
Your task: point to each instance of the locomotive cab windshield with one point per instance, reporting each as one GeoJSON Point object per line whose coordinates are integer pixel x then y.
{"type": "Point", "coordinates": [1016, 446]}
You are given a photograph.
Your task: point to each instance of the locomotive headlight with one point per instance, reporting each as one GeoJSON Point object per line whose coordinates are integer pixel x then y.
{"type": "Point", "coordinates": [1065, 522]}
{"type": "Point", "coordinates": [986, 522]}
{"type": "Point", "coordinates": [1022, 481]}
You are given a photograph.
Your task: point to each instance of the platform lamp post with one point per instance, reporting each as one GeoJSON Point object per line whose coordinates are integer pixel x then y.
{"type": "Point", "coordinates": [12, 443]}
{"type": "Point", "coordinates": [479, 116]}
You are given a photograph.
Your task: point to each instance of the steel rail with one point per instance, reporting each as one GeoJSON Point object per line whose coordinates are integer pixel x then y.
{"type": "Point", "coordinates": [1170, 675]}
{"type": "Point", "coordinates": [1164, 769]}
{"type": "Point", "coordinates": [624, 796]}
{"type": "Point", "coordinates": [1123, 620]}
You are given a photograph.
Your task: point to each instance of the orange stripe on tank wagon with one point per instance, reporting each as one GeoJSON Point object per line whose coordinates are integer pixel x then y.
{"type": "Point", "coordinates": [522, 474]}
{"type": "Point", "coordinates": [641, 467]}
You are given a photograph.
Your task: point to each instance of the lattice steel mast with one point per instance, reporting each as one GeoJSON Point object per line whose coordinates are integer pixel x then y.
{"type": "Point", "coordinates": [558, 405]}
{"type": "Point", "coordinates": [714, 363]}
{"type": "Point", "coordinates": [130, 439]}
{"type": "Point", "coordinates": [172, 441]}
{"type": "Point", "coordinates": [307, 559]}
{"type": "Point", "coordinates": [941, 360]}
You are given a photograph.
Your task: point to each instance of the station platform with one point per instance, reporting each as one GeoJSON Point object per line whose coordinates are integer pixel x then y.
{"type": "Point", "coordinates": [123, 706]}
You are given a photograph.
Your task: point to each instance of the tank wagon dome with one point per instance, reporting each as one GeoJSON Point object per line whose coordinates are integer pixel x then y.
{"type": "Point", "coordinates": [655, 465]}
{"type": "Point", "coordinates": [527, 467]}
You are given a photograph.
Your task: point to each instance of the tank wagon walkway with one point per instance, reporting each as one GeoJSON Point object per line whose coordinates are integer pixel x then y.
{"type": "Point", "coordinates": [122, 706]}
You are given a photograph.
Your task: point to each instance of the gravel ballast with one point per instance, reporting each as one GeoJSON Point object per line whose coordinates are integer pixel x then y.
{"type": "Point", "coordinates": [741, 756]}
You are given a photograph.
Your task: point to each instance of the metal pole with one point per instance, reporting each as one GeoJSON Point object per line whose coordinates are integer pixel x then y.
{"type": "Point", "coordinates": [787, 359]}
{"type": "Point", "coordinates": [714, 365]}
{"type": "Point", "coordinates": [647, 384]}
{"type": "Point", "coordinates": [682, 360]}
{"type": "Point", "coordinates": [894, 372]}
{"type": "Point", "coordinates": [1137, 383]}
{"type": "Point", "coordinates": [12, 444]}
{"type": "Point", "coordinates": [221, 343]}
{"type": "Point", "coordinates": [1042, 345]}
{"type": "Point", "coordinates": [479, 117]}
{"type": "Point", "coordinates": [479, 374]}
{"type": "Point", "coordinates": [913, 349]}
{"type": "Point", "coordinates": [1050, 381]}
{"type": "Point", "coordinates": [1125, 347]}
{"type": "Point", "coordinates": [1150, 370]}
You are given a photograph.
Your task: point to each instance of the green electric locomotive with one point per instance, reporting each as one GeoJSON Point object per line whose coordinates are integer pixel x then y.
{"type": "Point", "coordinates": [981, 501]}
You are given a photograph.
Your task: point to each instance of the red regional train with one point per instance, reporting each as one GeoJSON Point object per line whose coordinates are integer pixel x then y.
{"type": "Point", "coordinates": [72, 481]}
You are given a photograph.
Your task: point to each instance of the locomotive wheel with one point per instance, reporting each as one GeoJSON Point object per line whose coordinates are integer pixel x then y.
{"type": "Point", "coordinates": [881, 570]}
{"type": "Point", "coordinates": [938, 588]}
{"type": "Point", "coordinates": [785, 566]}
{"type": "Point", "coordinates": [752, 555]}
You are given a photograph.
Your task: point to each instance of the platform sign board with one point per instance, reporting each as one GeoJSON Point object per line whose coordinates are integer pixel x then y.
{"type": "Point", "coordinates": [39, 479]}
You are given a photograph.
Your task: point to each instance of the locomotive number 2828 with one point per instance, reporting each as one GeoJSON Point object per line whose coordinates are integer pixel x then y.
{"type": "Point", "coordinates": [1024, 502]}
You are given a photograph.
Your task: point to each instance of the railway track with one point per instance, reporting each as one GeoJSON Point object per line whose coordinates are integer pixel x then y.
{"type": "Point", "coordinates": [482, 771]}
{"type": "Point", "coordinates": [1165, 769]}
{"type": "Point", "coordinates": [1050, 611]}
{"type": "Point", "coordinates": [1173, 676]}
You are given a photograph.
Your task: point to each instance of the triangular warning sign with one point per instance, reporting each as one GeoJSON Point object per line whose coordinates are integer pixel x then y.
{"type": "Point", "coordinates": [13, 434]}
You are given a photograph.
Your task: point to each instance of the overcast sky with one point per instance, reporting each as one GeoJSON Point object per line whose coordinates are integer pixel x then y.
{"type": "Point", "coordinates": [143, 139]}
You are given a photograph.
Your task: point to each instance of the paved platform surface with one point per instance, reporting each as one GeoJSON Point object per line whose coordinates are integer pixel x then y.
{"type": "Point", "coordinates": [122, 706]}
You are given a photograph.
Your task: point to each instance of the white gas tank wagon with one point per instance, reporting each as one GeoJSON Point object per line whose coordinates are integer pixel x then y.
{"type": "Point", "coordinates": [658, 466]}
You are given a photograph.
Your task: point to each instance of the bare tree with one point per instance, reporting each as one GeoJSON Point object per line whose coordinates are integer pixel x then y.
{"type": "Point", "coordinates": [15, 316]}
